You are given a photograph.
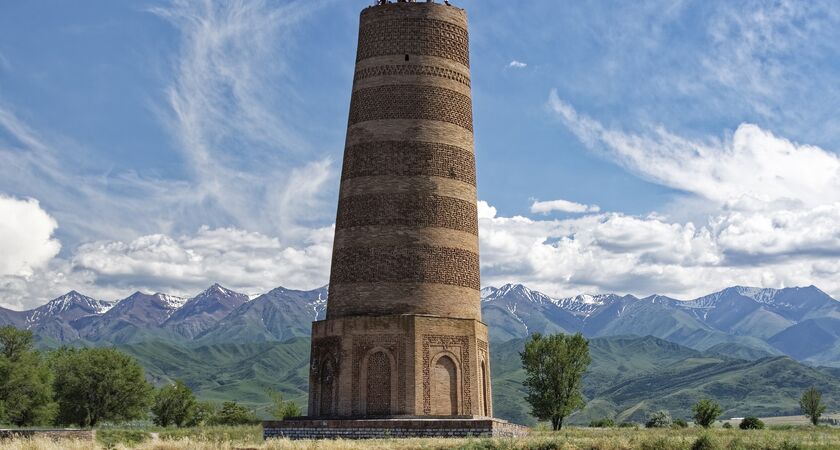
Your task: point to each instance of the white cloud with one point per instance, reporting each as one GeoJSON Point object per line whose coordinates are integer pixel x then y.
{"type": "Point", "coordinates": [26, 236]}
{"type": "Point", "coordinates": [750, 167]}
{"type": "Point", "coordinates": [517, 65]}
{"type": "Point", "coordinates": [485, 211]}
{"type": "Point", "coordinates": [772, 206]}
{"type": "Point", "coordinates": [546, 207]}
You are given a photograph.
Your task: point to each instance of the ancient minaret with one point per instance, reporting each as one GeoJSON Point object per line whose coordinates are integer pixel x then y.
{"type": "Point", "coordinates": [403, 333]}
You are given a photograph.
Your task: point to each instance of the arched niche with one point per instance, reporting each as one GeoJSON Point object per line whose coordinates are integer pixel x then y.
{"type": "Point", "coordinates": [445, 385]}
{"type": "Point", "coordinates": [378, 384]}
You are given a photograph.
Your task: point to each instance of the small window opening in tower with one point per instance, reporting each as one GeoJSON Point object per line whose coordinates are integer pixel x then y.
{"type": "Point", "coordinates": [406, 57]}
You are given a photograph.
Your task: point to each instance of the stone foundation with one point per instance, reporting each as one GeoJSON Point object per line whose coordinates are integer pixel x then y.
{"type": "Point", "coordinates": [305, 428]}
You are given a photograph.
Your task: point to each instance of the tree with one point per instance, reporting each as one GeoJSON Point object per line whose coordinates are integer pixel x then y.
{"type": "Point", "coordinates": [706, 412]}
{"type": "Point", "coordinates": [751, 423]}
{"type": "Point", "coordinates": [26, 394]}
{"type": "Point", "coordinates": [811, 404]}
{"type": "Point", "coordinates": [95, 384]}
{"type": "Point", "coordinates": [659, 419]}
{"type": "Point", "coordinates": [203, 414]}
{"type": "Point", "coordinates": [554, 367]}
{"type": "Point", "coordinates": [281, 408]}
{"type": "Point", "coordinates": [232, 413]}
{"type": "Point", "coordinates": [174, 404]}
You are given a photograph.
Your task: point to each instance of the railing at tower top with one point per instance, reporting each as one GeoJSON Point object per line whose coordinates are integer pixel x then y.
{"type": "Point", "coordinates": [385, 2]}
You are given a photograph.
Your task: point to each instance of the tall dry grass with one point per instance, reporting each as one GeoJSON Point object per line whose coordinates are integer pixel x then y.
{"type": "Point", "coordinates": [571, 439]}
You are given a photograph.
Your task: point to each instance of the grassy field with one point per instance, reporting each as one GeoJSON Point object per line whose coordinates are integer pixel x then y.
{"type": "Point", "coordinates": [223, 438]}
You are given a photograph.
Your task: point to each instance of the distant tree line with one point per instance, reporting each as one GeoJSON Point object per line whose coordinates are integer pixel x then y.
{"type": "Point", "coordinates": [554, 367]}
{"type": "Point", "coordinates": [87, 386]}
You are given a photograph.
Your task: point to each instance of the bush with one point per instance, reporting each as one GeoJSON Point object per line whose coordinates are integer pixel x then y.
{"type": "Point", "coordinates": [111, 438]}
{"type": "Point", "coordinates": [751, 423]}
{"type": "Point", "coordinates": [283, 409]}
{"type": "Point", "coordinates": [659, 419]}
{"type": "Point", "coordinates": [706, 412]}
{"type": "Point", "coordinates": [232, 413]}
{"type": "Point", "coordinates": [727, 425]}
{"type": "Point", "coordinates": [680, 423]}
{"type": "Point", "coordinates": [173, 404]}
{"type": "Point", "coordinates": [628, 425]}
{"type": "Point", "coordinates": [705, 442]}
{"type": "Point", "coordinates": [606, 422]}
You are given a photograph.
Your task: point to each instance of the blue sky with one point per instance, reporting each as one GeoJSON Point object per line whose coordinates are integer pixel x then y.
{"type": "Point", "coordinates": [672, 147]}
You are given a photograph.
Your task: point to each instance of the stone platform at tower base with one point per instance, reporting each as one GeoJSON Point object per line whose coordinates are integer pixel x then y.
{"type": "Point", "coordinates": [308, 428]}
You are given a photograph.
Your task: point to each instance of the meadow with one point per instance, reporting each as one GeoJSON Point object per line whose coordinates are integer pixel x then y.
{"type": "Point", "coordinates": [249, 437]}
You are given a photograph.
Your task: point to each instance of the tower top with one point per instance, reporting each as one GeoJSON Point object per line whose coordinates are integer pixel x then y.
{"type": "Point", "coordinates": [386, 2]}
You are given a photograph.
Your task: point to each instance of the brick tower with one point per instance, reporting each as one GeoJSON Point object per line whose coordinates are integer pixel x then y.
{"type": "Point", "coordinates": [403, 334]}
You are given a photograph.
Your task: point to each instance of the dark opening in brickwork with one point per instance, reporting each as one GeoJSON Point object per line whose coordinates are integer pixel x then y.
{"type": "Point", "coordinates": [413, 36]}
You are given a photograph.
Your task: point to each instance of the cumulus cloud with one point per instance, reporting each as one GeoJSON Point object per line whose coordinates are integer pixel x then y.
{"type": "Point", "coordinates": [517, 65]}
{"type": "Point", "coordinates": [773, 208]}
{"type": "Point", "coordinates": [546, 207]}
{"type": "Point", "coordinates": [26, 236]}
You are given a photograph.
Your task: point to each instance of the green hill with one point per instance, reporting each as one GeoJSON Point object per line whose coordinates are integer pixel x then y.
{"type": "Point", "coordinates": [629, 377]}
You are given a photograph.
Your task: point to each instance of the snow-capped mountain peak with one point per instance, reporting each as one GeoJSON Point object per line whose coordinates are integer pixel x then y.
{"type": "Point", "coordinates": [57, 306]}
{"type": "Point", "coordinates": [518, 291]}
{"type": "Point", "coordinates": [170, 301]}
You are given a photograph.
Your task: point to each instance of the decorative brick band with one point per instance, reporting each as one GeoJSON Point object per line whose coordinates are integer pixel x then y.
{"type": "Point", "coordinates": [408, 159]}
{"type": "Point", "coordinates": [432, 71]}
{"type": "Point", "coordinates": [413, 36]}
{"type": "Point", "coordinates": [411, 102]}
{"type": "Point", "coordinates": [406, 264]}
{"type": "Point", "coordinates": [419, 210]}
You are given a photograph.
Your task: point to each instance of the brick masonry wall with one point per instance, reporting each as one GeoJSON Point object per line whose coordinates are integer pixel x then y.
{"type": "Point", "coordinates": [390, 428]}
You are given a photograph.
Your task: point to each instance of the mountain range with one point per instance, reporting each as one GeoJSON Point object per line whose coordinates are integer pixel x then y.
{"type": "Point", "coordinates": [751, 323]}
{"type": "Point", "coordinates": [753, 350]}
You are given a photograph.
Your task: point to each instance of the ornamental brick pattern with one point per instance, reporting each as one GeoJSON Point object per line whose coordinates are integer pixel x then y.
{"type": "Point", "coordinates": [414, 36]}
{"type": "Point", "coordinates": [391, 70]}
{"type": "Point", "coordinates": [390, 158]}
{"type": "Point", "coordinates": [403, 335]}
{"type": "Point", "coordinates": [421, 264]}
{"type": "Point", "coordinates": [411, 102]}
{"type": "Point", "coordinates": [420, 210]}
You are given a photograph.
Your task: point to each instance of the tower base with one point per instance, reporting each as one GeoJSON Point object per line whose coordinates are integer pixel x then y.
{"type": "Point", "coordinates": [399, 366]}
{"type": "Point", "coordinates": [307, 428]}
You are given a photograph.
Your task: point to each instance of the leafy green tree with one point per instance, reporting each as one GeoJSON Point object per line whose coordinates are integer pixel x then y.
{"type": "Point", "coordinates": [706, 411]}
{"type": "Point", "coordinates": [812, 405]}
{"type": "Point", "coordinates": [659, 419]}
{"type": "Point", "coordinates": [202, 414]}
{"type": "Point", "coordinates": [281, 408]}
{"type": "Point", "coordinates": [96, 384]}
{"type": "Point", "coordinates": [554, 367]}
{"type": "Point", "coordinates": [174, 404]}
{"type": "Point", "coordinates": [232, 413]}
{"type": "Point", "coordinates": [26, 394]}
{"type": "Point", "coordinates": [751, 423]}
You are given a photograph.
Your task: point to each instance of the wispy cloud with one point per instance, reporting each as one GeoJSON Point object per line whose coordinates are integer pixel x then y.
{"type": "Point", "coordinates": [517, 65]}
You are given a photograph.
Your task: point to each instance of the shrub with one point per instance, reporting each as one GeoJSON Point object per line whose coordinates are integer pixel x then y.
{"type": "Point", "coordinates": [751, 423]}
{"type": "Point", "coordinates": [706, 412]}
{"type": "Point", "coordinates": [680, 423]}
{"type": "Point", "coordinates": [111, 438]}
{"type": "Point", "coordinates": [628, 425]}
{"type": "Point", "coordinates": [606, 422]}
{"type": "Point", "coordinates": [173, 404]}
{"type": "Point", "coordinates": [659, 419]}
{"type": "Point", "coordinates": [705, 442]}
{"type": "Point", "coordinates": [282, 408]}
{"type": "Point", "coordinates": [232, 413]}
{"type": "Point", "coordinates": [727, 425]}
